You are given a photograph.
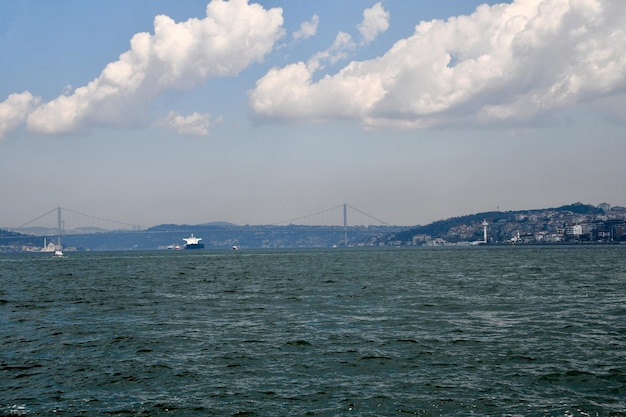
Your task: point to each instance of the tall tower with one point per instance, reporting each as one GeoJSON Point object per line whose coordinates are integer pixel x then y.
{"type": "Point", "coordinates": [485, 224]}
{"type": "Point", "coordinates": [345, 225]}
{"type": "Point", "coordinates": [60, 224]}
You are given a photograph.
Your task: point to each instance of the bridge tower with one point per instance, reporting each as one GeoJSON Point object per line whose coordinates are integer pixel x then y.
{"type": "Point", "coordinates": [60, 226]}
{"type": "Point", "coordinates": [345, 225]}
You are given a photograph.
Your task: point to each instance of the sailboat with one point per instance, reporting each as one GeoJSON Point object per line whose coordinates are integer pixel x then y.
{"type": "Point", "coordinates": [58, 251]}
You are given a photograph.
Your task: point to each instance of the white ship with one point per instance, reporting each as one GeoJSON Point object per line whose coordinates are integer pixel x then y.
{"type": "Point", "coordinates": [193, 242]}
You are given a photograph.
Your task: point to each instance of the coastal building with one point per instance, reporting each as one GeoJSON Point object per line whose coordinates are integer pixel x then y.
{"type": "Point", "coordinates": [573, 230]}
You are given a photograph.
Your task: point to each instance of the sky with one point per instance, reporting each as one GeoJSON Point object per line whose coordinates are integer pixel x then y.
{"type": "Point", "coordinates": [256, 112]}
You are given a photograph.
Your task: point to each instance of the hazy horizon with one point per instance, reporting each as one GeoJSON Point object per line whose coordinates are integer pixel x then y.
{"type": "Point", "coordinates": [330, 217]}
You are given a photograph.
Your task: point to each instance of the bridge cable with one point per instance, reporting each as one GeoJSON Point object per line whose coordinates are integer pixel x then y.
{"type": "Point", "coordinates": [307, 216]}
{"type": "Point", "coordinates": [99, 218]}
{"type": "Point", "coordinates": [371, 217]}
{"type": "Point", "coordinates": [35, 219]}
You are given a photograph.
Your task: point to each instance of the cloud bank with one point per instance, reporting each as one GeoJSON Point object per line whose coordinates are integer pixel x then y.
{"type": "Point", "coordinates": [507, 62]}
{"type": "Point", "coordinates": [233, 35]}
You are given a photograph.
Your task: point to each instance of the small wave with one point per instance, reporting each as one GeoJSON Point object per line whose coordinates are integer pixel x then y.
{"type": "Point", "coordinates": [20, 367]}
{"type": "Point", "coordinates": [375, 357]}
{"type": "Point", "coordinates": [298, 343]}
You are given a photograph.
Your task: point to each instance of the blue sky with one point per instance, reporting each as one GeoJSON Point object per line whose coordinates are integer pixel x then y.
{"type": "Point", "coordinates": [155, 111]}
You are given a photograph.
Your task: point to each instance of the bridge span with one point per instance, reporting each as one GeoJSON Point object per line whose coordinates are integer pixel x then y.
{"type": "Point", "coordinates": [339, 226]}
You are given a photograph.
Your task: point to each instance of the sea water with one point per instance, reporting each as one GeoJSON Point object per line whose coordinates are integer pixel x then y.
{"type": "Point", "coordinates": [485, 331]}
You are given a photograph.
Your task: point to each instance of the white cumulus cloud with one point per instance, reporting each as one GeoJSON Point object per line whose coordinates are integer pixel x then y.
{"type": "Point", "coordinates": [338, 51]}
{"type": "Point", "coordinates": [233, 35]}
{"type": "Point", "coordinates": [375, 22]}
{"type": "Point", "coordinates": [195, 124]}
{"type": "Point", "coordinates": [507, 62]}
{"type": "Point", "coordinates": [307, 29]}
{"type": "Point", "coordinates": [14, 109]}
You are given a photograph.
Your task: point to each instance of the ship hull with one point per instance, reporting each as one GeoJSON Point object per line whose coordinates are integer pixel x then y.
{"type": "Point", "coordinates": [195, 246]}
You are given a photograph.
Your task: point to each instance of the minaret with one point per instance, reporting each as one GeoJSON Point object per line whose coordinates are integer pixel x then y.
{"type": "Point", "coordinates": [485, 224]}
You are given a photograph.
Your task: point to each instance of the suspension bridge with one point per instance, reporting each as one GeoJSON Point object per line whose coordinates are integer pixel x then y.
{"type": "Point", "coordinates": [67, 220]}
{"type": "Point", "coordinates": [79, 230]}
{"type": "Point", "coordinates": [335, 216]}
{"type": "Point", "coordinates": [62, 220]}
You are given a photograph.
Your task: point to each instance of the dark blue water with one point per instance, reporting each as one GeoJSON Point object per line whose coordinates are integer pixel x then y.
{"type": "Point", "coordinates": [476, 331]}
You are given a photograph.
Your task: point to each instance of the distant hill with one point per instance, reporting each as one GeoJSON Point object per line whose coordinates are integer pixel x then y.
{"type": "Point", "coordinates": [186, 227]}
{"type": "Point", "coordinates": [8, 233]}
{"type": "Point", "coordinates": [514, 220]}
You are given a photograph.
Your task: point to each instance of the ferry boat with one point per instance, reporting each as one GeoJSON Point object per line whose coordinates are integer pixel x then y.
{"type": "Point", "coordinates": [193, 242]}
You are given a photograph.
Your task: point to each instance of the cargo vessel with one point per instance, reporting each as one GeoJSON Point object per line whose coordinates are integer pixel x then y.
{"type": "Point", "coordinates": [193, 242]}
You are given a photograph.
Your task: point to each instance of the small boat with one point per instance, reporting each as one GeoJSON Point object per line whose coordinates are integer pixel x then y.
{"type": "Point", "coordinates": [193, 242]}
{"type": "Point", "coordinates": [58, 249]}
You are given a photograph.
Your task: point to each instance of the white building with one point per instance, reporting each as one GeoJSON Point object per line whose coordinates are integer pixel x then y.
{"type": "Point", "coordinates": [573, 230]}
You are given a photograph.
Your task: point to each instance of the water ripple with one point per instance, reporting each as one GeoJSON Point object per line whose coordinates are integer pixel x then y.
{"type": "Point", "coordinates": [482, 331]}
